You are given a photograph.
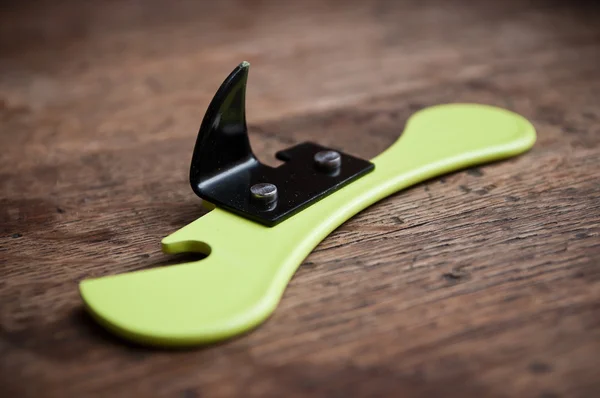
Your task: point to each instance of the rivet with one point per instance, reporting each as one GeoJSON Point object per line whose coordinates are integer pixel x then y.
{"type": "Point", "coordinates": [328, 160]}
{"type": "Point", "coordinates": [264, 193]}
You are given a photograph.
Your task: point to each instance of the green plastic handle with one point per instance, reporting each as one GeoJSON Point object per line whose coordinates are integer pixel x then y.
{"type": "Point", "coordinates": [249, 265]}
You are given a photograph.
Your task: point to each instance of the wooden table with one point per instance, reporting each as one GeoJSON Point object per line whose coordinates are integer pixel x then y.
{"type": "Point", "coordinates": [481, 283]}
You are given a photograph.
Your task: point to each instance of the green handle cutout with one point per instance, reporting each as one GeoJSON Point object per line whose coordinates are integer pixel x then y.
{"type": "Point", "coordinates": [249, 265]}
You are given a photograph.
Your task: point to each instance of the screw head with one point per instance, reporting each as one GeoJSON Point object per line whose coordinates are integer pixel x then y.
{"type": "Point", "coordinates": [264, 193]}
{"type": "Point", "coordinates": [328, 160]}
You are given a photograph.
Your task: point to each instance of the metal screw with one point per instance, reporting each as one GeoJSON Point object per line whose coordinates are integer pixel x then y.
{"type": "Point", "coordinates": [264, 193]}
{"type": "Point", "coordinates": [328, 160]}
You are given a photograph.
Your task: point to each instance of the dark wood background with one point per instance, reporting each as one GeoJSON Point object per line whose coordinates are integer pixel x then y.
{"type": "Point", "coordinates": [481, 283]}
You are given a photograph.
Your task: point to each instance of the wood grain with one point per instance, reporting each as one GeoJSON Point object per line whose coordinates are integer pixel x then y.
{"type": "Point", "coordinates": [481, 283]}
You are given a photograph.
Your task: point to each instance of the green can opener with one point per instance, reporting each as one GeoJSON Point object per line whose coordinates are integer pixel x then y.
{"type": "Point", "coordinates": [251, 254]}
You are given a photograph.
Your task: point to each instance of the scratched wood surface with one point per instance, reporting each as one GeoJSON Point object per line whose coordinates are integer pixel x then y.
{"type": "Point", "coordinates": [481, 283]}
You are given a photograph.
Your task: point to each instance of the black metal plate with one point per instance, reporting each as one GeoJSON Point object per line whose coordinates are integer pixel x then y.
{"type": "Point", "coordinates": [224, 167]}
{"type": "Point", "coordinates": [299, 183]}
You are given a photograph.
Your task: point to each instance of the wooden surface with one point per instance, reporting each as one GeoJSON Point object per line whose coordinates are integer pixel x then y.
{"type": "Point", "coordinates": [482, 283]}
